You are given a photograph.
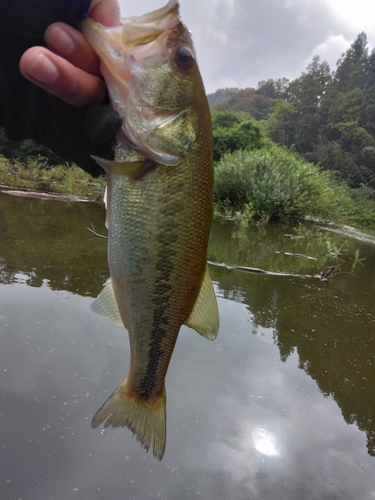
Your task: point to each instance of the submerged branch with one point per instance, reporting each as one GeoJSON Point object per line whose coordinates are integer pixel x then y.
{"type": "Point", "coordinates": [299, 255]}
{"type": "Point", "coordinates": [92, 230]}
{"type": "Point", "coordinates": [256, 270]}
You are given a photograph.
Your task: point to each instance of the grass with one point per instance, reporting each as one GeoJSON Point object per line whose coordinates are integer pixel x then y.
{"type": "Point", "coordinates": [37, 175]}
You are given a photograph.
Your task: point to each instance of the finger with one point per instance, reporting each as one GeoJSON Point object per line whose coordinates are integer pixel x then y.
{"type": "Point", "coordinates": [61, 78]}
{"type": "Point", "coordinates": [70, 44]}
{"type": "Point", "coordinates": [106, 12]}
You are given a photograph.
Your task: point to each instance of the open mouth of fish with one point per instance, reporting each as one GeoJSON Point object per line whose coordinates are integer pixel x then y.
{"type": "Point", "coordinates": [129, 54]}
{"type": "Point", "coordinates": [148, 37]}
{"type": "Point", "coordinates": [142, 30]}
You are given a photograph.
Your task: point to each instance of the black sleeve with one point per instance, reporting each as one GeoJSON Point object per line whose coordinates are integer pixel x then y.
{"type": "Point", "coordinates": [26, 111]}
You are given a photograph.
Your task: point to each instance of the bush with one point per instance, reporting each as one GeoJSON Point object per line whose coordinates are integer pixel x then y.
{"type": "Point", "coordinates": [275, 181]}
{"type": "Point", "coordinates": [234, 130]}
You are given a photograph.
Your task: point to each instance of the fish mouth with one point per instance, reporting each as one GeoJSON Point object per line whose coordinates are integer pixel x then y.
{"type": "Point", "coordinates": [146, 39]}
{"type": "Point", "coordinates": [144, 29]}
{"type": "Point", "coordinates": [128, 53]}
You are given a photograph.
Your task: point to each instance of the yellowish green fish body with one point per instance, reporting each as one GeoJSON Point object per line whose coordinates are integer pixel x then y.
{"type": "Point", "coordinates": [160, 198]}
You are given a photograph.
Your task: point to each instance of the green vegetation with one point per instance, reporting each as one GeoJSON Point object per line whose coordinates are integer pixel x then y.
{"type": "Point", "coordinates": [286, 150]}
{"type": "Point", "coordinates": [235, 130]}
{"type": "Point", "coordinates": [38, 175]}
{"type": "Point", "coordinates": [33, 167]}
{"type": "Point", "coordinates": [275, 183]}
{"type": "Point", "coordinates": [257, 104]}
{"type": "Point", "coordinates": [325, 118]}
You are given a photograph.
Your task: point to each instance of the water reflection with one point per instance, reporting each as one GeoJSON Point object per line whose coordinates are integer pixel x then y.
{"type": "Point", "coordinates": [280, 405]}
{"type": "Point", "coordinates": [265, 442]}
{"type": "Point", "coordinates": [329, 325]}
{"type": "Point", "coordinates": [49, 240]}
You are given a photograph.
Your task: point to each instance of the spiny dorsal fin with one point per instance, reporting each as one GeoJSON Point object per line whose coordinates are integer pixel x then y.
{"type": "Point", "coordinates": [204, 317]}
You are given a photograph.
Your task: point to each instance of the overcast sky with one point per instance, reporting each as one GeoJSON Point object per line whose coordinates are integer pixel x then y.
{"type": "Point", "coordinates": [241, 42]}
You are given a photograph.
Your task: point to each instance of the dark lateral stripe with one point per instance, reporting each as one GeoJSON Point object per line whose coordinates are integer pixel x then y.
{"type": "Point", "coordinates": [161, 297]}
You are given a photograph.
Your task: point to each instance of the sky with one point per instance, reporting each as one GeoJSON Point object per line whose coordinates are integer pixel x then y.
{"type": "Point", "coordinates": [242, 42]}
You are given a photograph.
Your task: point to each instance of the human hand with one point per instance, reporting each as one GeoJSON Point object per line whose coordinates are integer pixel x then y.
{"type": "Point", "coordinates": [53, 104]}
{"type": "Point", "coordinates": [69, 68]}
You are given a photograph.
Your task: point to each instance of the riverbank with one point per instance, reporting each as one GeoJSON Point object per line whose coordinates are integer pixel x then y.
{"type": "Point", "coordinates": [38, 177]}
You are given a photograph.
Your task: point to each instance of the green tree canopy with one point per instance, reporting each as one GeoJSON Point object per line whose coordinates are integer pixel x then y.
{"type": "Point", "coordinates": [327, 116]}
{"type": "Point", "coordinates": [233, 130]}
{"type": "Point", "coordinates": [275, 89]}
{"type": "Point", "coordinates": [352, 68]}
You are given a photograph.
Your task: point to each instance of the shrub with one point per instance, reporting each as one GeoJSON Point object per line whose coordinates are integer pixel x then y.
{"type": "Point", "coordinates": [277, 182]}
{"type": "Point", "coordinates": [234, 130]}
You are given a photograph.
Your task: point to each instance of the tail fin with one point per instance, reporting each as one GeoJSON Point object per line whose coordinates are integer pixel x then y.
{"type": "Point", "coordinates": [145, 420]}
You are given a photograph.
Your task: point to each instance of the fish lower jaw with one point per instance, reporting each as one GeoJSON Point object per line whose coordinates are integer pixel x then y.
{"type": "Point", "coordinates": [124, 141]}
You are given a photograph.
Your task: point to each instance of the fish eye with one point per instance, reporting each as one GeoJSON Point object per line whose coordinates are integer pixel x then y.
{"type": "Point", "coordinates": [184, 58]}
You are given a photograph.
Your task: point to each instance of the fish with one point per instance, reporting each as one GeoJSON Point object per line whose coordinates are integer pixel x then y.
{"type": "Point", "coordinates": [159, 209]}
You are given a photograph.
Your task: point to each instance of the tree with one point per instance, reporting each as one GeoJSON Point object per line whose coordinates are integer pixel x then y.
{"type": "Point", "coordinates": [369, 94]}
{"type": "Point", "coordinates": [310, 88]}
{"type": "Point", "coordinates": [346, 107]}
{"type": "Point", "coordinates": [221, 95]}
{"type": "Point", "coordinates": [281, 125]}
{"type": "Point", "coordinates": [227, 118]}
{"type": "Point", "coordinates": [249, 101]}
{"type": "Point", "coordinates": [275, 89]}
{"type": "Point", "coordinates": [329, 117]}
{"type": "Point", "coordinates": [352, 67]}
{"type": "Point", "coordinates": [308, 93]}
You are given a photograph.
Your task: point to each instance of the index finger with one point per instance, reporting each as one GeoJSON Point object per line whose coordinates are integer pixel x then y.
{"type": "Point", "coordinates": [70, 44]}
{"type": "Point", "coordinates": [106, 12]}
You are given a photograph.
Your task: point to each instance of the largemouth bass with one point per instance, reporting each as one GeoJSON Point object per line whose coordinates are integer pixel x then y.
{"type": "Point", "coordinates": [160, 200]}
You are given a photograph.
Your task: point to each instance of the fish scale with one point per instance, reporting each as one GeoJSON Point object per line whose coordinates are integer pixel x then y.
{"type": "Point", "coordinates": [160, 203]}
{"type": "Point", "coordinates": [167, 252]}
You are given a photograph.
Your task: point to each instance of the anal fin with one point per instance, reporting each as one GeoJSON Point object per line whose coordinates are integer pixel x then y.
{"type": "Point", "coordinates": [204, 317]}
{"type": "Point", "coordinates": [105, 304]}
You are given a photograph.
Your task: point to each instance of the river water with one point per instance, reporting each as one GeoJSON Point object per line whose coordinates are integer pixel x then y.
{"type": "Point", "coordinates": [280, 406]}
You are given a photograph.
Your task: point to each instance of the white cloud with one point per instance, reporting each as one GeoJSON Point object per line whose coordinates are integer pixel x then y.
{"type": "Point", "coordinates": [358, 15]}
{"type": "Point", "coordinates": [240, 42]}
{"type": "Point", "coordinates": [329, 50]}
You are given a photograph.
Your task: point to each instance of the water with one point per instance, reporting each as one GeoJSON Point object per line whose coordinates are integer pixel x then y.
{"type": "Point", "coordinates": [280, 406]}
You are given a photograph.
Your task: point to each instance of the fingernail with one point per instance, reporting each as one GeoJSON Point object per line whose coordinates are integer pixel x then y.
{"type": "Point", "coordinates": [42, 69]}
{"type": "Point", "coordinates": [59, 40]}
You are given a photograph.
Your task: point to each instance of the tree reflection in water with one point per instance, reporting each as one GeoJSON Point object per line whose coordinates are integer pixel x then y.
{"type": "Point", "coordinates": [322, 329]}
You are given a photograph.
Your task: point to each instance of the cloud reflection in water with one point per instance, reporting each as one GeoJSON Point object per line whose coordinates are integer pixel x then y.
{"type": "Point", "coordinates": [265, 442]}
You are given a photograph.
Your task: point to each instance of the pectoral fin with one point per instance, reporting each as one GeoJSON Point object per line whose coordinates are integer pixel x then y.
{"type": "Point", "coordinates": [132, 169]}
{"type": "Point", "coordinates": [204, 317]}
{"type": "Point", "coordinates": [105, 304]}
